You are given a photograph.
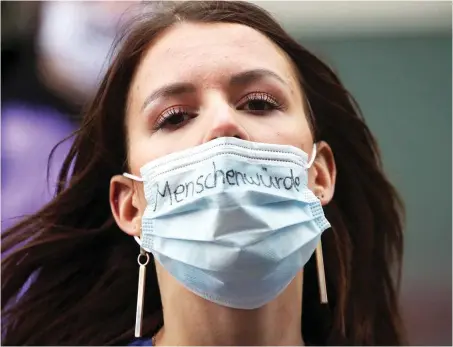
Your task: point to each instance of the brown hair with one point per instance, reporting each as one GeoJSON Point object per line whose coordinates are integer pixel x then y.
{"type": "Point", "coordinates": [84, 268]}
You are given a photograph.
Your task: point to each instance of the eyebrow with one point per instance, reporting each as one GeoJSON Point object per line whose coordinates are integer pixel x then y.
{"type": "Point", "coordinates": [247, 77]}
{"type": "Point", "coordinates": [170, 90]}
{"type": "Point", "coordinates": [240, 79]}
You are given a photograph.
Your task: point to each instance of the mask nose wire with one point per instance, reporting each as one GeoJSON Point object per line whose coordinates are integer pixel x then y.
{"type": "Point", "coordinates": [313, 156]}
{"type": "Point", "coordinates": [310, 163]}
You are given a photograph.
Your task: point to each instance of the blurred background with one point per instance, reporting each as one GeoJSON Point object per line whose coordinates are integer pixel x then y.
{"type": "Point", "coordinates": [395, 58]}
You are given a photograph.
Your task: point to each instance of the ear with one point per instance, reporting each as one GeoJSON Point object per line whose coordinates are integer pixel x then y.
{"type": "Point", "coordinates": [124, 202]}
{"type": "Point", "coordinates": [323, 173]}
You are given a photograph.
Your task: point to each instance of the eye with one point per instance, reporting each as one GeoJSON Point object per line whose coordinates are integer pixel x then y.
{"type": "Point", "coordinates": [173, 119]}
{"type": "Point", "coordinates": [259, 103]}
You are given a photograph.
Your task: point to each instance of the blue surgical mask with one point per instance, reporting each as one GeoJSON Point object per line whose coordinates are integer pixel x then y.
{"type": "Point", "coordinates": [233, 221]}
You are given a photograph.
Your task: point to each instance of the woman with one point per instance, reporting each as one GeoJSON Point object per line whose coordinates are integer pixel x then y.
{"type": "Point", "coordinates": [208, 80]}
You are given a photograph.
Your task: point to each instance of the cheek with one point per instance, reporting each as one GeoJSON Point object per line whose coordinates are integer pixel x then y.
{"type": "Point", "coordinates": [142, 150]}
{"type": "Point", "coordinates": [149, 148]}
{"type": "Point", "coordinates": [285, 130]}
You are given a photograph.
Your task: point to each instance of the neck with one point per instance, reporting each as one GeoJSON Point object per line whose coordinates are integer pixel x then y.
{"type": "Point", "coordinates": [191, 320]}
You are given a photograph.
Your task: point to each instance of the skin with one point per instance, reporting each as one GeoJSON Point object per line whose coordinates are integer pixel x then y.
{"type": "Point", "coordinates": [218, 104]}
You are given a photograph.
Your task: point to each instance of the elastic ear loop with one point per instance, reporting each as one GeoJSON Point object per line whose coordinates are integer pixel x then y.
{"type": "Point", "coordinates": [133, 177]}
{"type": "Point", "coordinates": [313, 156]}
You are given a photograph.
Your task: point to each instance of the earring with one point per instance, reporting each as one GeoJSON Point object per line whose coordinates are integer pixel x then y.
{"type": "Point", "coordinates": [142, 260]}
{"type": "Point", "coordinates": [321, 271]}
{"type": "Point", "coordinates": [321, 274]}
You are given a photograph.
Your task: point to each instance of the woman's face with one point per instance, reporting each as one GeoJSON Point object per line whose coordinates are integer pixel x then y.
{"type": "Point", "coordinates": [198, 82]}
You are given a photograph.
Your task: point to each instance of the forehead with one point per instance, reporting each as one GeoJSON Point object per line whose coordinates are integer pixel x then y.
{"type": "Point", "coordinates": [207, 52]}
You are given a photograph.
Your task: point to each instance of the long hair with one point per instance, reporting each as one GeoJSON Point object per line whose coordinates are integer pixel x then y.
{"type": "Point", "coordinates": [84, 268]}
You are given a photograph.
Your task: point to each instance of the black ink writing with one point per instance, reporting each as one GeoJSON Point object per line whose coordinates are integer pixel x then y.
{"type": "Point", "coordinates": [220, 178]}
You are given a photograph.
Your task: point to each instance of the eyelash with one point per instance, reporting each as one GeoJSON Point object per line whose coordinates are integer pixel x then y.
{"type": "Point", "coordinates": [164, 120]}
{"type": "Point", "coordinates": [260, 96]}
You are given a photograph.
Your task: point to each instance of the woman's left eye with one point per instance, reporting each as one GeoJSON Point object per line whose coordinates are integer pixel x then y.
{"type": "Point", "coordinates": [259, 103]}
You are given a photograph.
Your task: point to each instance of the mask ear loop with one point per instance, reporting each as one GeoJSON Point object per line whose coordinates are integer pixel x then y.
{"type": "Point", "coordinates": [313, 156]}
{"type": "Point", "coordinates": [132, 177]}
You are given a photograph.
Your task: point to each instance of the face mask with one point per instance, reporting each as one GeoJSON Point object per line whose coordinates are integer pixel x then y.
{"type": "Point", "coordinates": [232, 220]}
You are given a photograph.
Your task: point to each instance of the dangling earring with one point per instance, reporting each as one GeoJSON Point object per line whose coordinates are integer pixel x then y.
{"type": "Point", "coordinates": [321, 271]}
{"type": "Point", "coordinates": [321, 274]}
{"type": "Point", "coordinates": [143, 260]}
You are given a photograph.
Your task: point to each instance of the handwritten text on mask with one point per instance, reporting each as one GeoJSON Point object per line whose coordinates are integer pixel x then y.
{"type": "Point", "coordinates": [231, 177]}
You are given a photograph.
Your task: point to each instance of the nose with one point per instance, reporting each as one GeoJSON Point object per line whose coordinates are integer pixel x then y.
{"type": "Point", "coordinates": [223, 121]}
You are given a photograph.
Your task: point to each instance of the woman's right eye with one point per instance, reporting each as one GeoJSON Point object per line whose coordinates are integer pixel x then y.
{"type": "Point", "coordinates": [173, 118]}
